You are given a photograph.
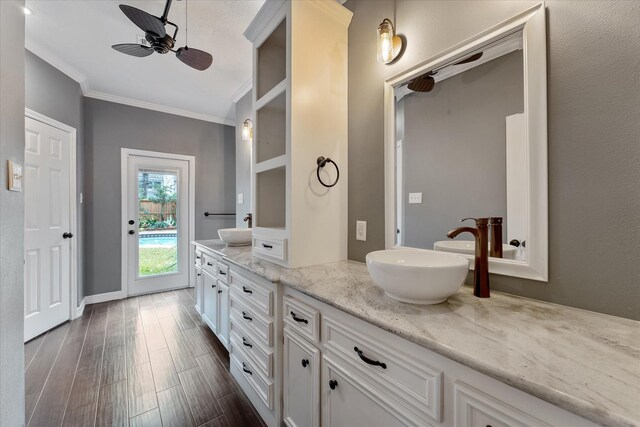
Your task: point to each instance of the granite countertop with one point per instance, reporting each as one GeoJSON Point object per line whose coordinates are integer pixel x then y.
{"type": "Point", "coordinates": [585, 362]}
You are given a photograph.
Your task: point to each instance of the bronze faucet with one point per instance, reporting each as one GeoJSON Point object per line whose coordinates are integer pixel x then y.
{"type": "Point", "coordinates": [249, 219]}
{"type": "Point", "coordinates": [481, 271]}
{"type": "Point", "coordinates": [495, 249]}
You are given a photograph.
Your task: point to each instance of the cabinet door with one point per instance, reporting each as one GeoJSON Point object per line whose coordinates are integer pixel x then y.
{"type": "Point", "coordinates": [210, 300]}
{"type": "Point", "coordinates": [301, 381]}
{"type": "Point", "coordinates": [199, 279]}
{"type": "Point", "coordinates": [223, 313]}
{"type": "Point", "coordinates": [346, 402]}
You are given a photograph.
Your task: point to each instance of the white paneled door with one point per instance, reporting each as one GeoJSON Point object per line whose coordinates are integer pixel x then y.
{"type": "Point", "coordinates": [47, 234]}
{"type": "Point", "coordinates": [158, 229]}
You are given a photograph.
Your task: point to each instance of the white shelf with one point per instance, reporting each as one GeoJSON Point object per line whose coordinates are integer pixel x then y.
{"type": "Point", "coordinates": [277, 90]}
{"type": "Point", "coordinates": [276, 162]}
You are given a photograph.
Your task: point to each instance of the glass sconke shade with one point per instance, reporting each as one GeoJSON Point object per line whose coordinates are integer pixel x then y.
{"type": "Point", "coordinates": [389, 45]}
{"type": "Point", "coordinates": [247, 130]}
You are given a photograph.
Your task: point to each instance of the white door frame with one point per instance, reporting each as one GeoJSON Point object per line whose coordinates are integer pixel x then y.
{"type": "Point", "coordinates": [124, 159]}
{"type": "Point", "coordinates": [74, 308]}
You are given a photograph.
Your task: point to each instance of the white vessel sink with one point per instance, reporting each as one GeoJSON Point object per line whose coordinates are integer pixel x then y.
{"type": "Point", "coordinates": [235, 236]}
{"type": "Point", "coordinates": [468, 247]}
{"type": "Point", "coordinates": [417, 276]}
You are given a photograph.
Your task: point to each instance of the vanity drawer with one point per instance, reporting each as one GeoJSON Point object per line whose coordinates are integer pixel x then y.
{"type": "Point", "coordinates": [210, 265]}
{"type": "Point", "coordinates": [252, 293]}
{"type": "Point", "coordinates": [223, 272]}
{"type": "Point", "coordinates": [263, 359]}
{"type": "Point", "coordinates": [302, 318]}
{"type": "Point", "coordinates": [474, 408]}
{"type": "Point", "coordinates": [270, 246]}
{"type": "Point", "coordinates": [261, 327]}
{"type": "Point", "coordinates": [198, 258]}
{"type": "Point", "coordinates": [261, 385]}
{"type": "Point", "coordinates": [409, 380]}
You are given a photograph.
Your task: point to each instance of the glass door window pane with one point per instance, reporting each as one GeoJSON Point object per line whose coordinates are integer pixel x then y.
{"type": "Point", "coordinates": [157, 223]}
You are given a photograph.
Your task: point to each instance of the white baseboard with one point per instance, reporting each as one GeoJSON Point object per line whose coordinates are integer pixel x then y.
{"type": "Point", "coordinates": [107, 296]}
{"type": "Point", "coordinates": [80, 309]}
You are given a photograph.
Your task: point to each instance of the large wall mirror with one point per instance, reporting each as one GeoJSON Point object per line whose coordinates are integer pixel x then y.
{"type": "Point", "coordinates": [466, 136]}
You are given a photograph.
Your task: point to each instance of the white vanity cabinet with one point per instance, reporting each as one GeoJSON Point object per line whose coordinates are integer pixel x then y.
{"type": "Point", "coordinates": [370, 377]}
{"type": "Point", "coordinates": [223, 313]}
{"type": "Point", "coordinates": [210, 300]}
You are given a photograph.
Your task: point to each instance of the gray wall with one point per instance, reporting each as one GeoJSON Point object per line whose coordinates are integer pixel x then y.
{"type": "Point", "coordinates": [11, 215]}
{"type": "Point", "coordinates": [454, 148]}
{"type": "Point", "coordinates": [110, 127]}
{"type": "Point", "coordinates": [54, 94]}
{"type": "Point", "coordinates": [243, 160]}
{"type": "Point", "coordinates": [594, 129]}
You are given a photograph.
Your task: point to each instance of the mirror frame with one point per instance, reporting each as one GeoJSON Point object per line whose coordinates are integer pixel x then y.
{"type": "Point", "coordinates": [532, 23]}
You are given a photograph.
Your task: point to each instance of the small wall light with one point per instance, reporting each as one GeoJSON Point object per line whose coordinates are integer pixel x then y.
{"type": "Point", "coordinates": [389, 45]}
{"type": "Point", "coordinates": [247, 130]}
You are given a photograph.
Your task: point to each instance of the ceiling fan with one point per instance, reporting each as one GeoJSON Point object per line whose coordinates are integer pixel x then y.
{"type": "Point", "coordinates": [159, 40]}
{"type": "Point", "coordinates": [426, 82]}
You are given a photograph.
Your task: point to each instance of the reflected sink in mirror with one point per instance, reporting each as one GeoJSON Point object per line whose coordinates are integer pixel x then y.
{"type": "Point", "coordinates": [235, 236]}
{"type": "Point", "coordinates": [468, 247]}
{"type": "Point", "coordinates": [417, 276]}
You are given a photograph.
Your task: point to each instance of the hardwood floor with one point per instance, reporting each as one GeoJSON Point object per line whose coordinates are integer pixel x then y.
{"type": "Point", "coordinates": [144, 361]}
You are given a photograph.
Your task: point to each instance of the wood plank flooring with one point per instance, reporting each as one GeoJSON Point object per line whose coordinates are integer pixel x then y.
{"type": "Point", "coordinates": [143, 361]}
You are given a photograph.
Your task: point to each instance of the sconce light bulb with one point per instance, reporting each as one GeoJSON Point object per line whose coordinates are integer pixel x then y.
{"type": "Point", "coordinates": [389, 44]}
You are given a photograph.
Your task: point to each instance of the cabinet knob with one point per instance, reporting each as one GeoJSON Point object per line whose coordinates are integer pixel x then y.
{"type": "Point", "coordinates": [305, 363]}
{"type": "Point", "coordinates": [132, 232]}
{"type": "Point", "coordinates": [333, 384]}
{"type": "Point", "coordinates": [213, 286]}
{"type": "Point", "coordinates": [219, 291]}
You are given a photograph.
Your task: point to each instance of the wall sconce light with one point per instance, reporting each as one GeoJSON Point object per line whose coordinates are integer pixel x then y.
{"type": "Point", "coordinates": [247, 130]}
{"type": "Point", "coordinates": [389, 45]}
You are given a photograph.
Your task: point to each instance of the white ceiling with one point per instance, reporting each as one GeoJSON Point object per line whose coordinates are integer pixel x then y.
{"type": "Point", "coordinates": [76, 37]}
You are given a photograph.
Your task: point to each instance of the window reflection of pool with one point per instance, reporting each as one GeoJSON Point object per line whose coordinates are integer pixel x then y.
{"type": "Point", "coordinates": [158, 241]}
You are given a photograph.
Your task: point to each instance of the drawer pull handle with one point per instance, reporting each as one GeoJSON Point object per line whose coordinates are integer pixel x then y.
{"type": "Point", "coordinates": [222, 273]}
{"type": "Point", "coordinates": [246, 290]}
{"type": "Point", "coordinates": [244, 368]}
{"type": "Point", "coordinates": [298, 319]}
{"type": "Point", "coordinates": [365, 359]}
{"type": "Point", "coordinates": [333, 384]}
{"type": "Point", "coordinates": [246, 343]}
{"type": "Point", "coordinates": [305, 363]}
{"type": "Point", "coordinates": [219, 291]}
{"type": "Point", "coordinates": [264, 245]}
{"type": "Point", "coordinates": [213, 286]}
{"type": "Point", "coordinates": [244, 316]}
{"type": "Point", "coordinates": [199, 274]}
{"type": "Point", "coordinates": [197, 257]}
{"type": "Point", "coordinates": [209, 264]}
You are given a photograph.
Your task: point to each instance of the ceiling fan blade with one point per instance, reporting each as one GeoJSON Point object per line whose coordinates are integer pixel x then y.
{"type": "Point", "coordinates": [145, 21]}
{"type": "Point", "coordinates": [471, 58]}
{"type": "Point", "coordinates": [423, 83]}
{"type": "Point", "coordinates": [195, 58]}
{"type": "Point", "coordinates": [133, 49]}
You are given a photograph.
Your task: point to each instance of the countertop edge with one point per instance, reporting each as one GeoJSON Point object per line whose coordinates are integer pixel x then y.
{"type": "Point", "coordinates": [560, 399]}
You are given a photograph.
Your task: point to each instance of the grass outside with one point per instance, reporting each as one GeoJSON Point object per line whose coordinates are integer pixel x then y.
{"type": "Point", "coordinates": [158, 261]}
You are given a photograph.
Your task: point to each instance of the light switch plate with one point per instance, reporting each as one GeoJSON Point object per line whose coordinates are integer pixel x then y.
{"type": "Point", "coordinates": [14, 171]}
{"type": "Point", "coordinates": [240, 198]}
{"type": "Point", "coordinates": [415, 198]}
{"type": "Point", "coordinates": [361, 230]}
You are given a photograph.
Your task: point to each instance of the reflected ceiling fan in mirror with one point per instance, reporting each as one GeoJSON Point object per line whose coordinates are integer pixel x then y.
{"type": "Point", "coordinates": [159, 41]}
{"type": "Point", "coordinates": [426, 82]}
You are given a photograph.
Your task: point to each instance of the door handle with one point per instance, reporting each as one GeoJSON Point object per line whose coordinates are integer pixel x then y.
{"type": "Point", "coordinates": [132, 232]}
{"type": "Point", "coordinates": [67, 235]}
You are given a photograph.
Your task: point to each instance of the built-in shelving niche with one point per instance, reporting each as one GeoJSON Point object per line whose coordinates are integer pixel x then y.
{"type": "Point", "coordinates": [272, 60]}
{"type": "Point", "coordinates": [272, 129]}
{"type": "Point", "coordinates": [271, 198]}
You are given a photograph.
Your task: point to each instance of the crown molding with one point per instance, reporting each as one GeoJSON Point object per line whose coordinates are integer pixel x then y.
{"type": "Point", "coordinates": [262, 19]}
{"type": "Point", "coordinates": [157, 107]}
{"type": "Point", "coordinates": [76, 75]}
{"type": "Point", "coordinates": [242, 90]}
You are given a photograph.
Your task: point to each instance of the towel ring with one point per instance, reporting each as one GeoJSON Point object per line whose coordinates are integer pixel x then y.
{"type": "Point", "coordinates": [322, 161]}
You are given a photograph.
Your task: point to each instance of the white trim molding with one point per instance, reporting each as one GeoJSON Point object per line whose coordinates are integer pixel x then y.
{"type": "Point", "coordinates": [82, 80]}
{"type": "Point", "coordinates": [532, 24]}
{"type": "Point", "coordinates": [107, 296]}
{"type": "Point", "coordinates": [243, 90]}
{"type": "Point", "coordinates": [80, 308]}
{"type": "Point", "coordinates": [73, 204]}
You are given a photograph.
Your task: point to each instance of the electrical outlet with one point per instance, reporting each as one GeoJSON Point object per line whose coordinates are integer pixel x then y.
{"type": "Point", "coordinates": [240, 198]}
{"type": "Point", "coordinates": [415, 198]}
{"type": "Point", "coordinates": [361, 230]}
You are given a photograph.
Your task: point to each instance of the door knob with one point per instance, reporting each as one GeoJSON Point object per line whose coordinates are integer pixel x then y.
{"type": "Point", "coordinates": [67, 235]}
{"type": "Point", "coordinates": [132, 232]}
{"type": "Point", "coordinates": [305, 363]}
{"type": "Point", "coordinates": [333, 384]}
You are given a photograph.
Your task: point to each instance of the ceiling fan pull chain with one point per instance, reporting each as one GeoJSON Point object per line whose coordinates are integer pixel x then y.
{"type": "Point", "coordinates": [186, 24]}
